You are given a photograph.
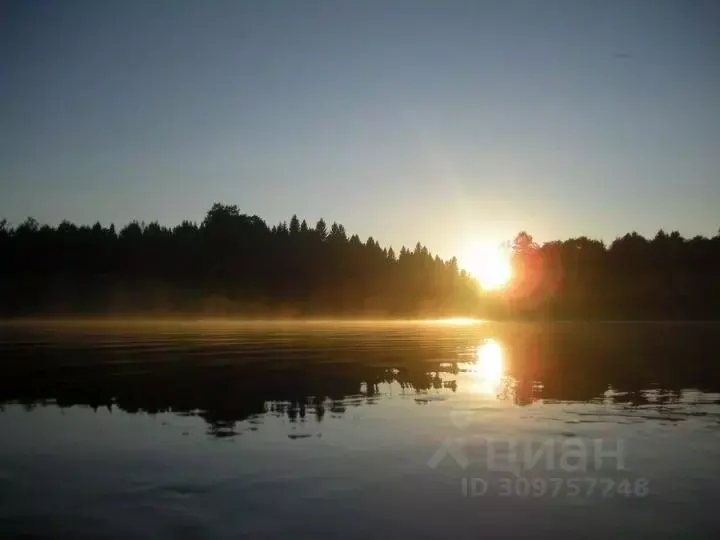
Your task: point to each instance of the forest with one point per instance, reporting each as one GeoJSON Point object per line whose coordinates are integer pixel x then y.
{"type": "Point", "coordinates": [234, 264]}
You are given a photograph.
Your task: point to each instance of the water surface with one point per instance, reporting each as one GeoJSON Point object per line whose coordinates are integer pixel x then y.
{"type": "Point", "coordinates": [350, 430]}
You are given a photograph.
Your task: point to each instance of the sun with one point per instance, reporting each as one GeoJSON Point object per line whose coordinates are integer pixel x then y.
{"type": "Point", "coordinates": [490, 265]}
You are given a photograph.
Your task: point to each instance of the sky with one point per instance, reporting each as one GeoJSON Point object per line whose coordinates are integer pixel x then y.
{"type": "Point", "coordinates": [442, 121]}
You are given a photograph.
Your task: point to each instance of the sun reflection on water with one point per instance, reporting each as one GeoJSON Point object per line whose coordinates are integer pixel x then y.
{"type": "Point", "coordinates": [488, 369]}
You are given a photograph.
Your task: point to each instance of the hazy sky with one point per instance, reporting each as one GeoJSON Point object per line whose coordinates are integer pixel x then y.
{"type": "Point", "coordinates": [441, 121]}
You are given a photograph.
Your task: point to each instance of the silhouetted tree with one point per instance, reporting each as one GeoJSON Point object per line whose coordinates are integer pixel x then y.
{"type": "Point", "coordinates": [321, 229]}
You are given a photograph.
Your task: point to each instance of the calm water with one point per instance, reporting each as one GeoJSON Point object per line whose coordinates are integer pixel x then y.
{"type": "Point", "coordinates": [402, 430]}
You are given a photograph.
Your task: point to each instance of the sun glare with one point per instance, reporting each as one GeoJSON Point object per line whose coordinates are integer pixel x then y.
{"type": "Point", "coordinates": [490, 265]}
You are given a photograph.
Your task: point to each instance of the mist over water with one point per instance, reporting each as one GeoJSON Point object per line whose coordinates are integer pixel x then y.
{"type": "Point", "coordinates": [226, 429]}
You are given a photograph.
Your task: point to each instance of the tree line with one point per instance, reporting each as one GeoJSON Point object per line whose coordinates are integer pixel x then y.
{"type": "Point", "coordinates": [229, 264]}
{"type": "Point", "coordinates": [664, 277]}
{"type": "Point", "coordinates": [237, 265]}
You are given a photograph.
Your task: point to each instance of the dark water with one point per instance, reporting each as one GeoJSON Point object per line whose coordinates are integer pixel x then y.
{"type": "Point", "coordinates": [402, 430]}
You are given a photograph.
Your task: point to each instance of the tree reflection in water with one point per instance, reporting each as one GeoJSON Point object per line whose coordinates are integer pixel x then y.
{"type": "Point", "coordinates": [309, 378]}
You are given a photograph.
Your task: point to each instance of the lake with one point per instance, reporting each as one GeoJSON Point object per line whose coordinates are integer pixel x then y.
{"type": "Point", "coordinates": [438, 429]}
